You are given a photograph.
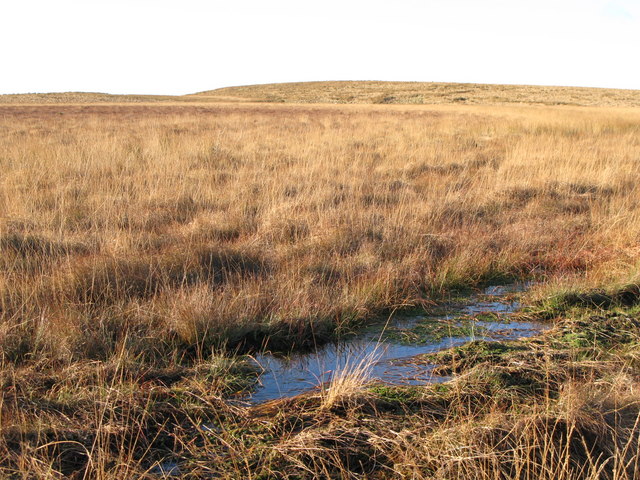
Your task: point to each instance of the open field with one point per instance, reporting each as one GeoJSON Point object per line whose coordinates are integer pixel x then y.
{"type": "Point", "coordinates": [141, 244]}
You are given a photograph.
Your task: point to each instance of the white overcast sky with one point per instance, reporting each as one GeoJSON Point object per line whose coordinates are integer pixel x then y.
{"type": "Point", "coordinates": [186, 46]}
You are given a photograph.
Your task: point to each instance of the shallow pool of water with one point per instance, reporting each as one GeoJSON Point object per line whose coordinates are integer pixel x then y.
{"type": "Point", "coordinates": [295, 374]}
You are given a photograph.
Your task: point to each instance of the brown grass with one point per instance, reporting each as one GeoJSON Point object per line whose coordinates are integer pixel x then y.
{"type": "Point", "coordinates": [138, 240]}
{"type": "Point", "coordinates": [178, 226]}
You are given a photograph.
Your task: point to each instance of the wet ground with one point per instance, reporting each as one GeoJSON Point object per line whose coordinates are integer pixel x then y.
{"type": "Point", "coordinates": [393, 345]}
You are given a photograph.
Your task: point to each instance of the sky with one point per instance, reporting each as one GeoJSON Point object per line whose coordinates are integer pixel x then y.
{"type": "Point", "coordinates": [185, 46]}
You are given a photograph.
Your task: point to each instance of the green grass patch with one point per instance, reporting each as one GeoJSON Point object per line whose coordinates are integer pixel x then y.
{"type": "Point", "coordinates": [397, 394]}
{"type": "Point", "coordinates": [430, 330]}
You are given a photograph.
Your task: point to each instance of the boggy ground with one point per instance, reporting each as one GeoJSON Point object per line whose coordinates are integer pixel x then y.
{"type": "Point", "coordinates": [162, 232]}
{"type": "Point", "coordinates": [141, 245]}
{"type": "Point", "coordinates": [563, 405]}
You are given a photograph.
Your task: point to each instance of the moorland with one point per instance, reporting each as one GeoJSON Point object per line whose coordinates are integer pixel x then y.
{"type": "Point", "coordinates": [149, 246]}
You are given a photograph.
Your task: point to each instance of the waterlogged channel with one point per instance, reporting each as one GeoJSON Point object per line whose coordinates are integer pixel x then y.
{"type": "Point", "coordinates": [393, 345]}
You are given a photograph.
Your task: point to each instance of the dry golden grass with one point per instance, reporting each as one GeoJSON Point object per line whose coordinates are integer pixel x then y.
{"type": "Point", "coordinates": [184, 227]}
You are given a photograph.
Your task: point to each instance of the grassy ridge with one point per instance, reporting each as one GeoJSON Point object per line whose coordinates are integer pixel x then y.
{"type": "Point", "coordinates": [79, 97]}
{"type": "Point", "coordinates": [424, 93]}
{"type": "Point", "coordinates": [363, 92]}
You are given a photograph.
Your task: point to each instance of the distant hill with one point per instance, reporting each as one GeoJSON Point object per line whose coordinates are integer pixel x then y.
{"type": "Point", "coordinates": [422, 93]}
{"type": "Point", "coordinates": [83, 97]}
{"type": "Point", "coordinates": [364, 92]}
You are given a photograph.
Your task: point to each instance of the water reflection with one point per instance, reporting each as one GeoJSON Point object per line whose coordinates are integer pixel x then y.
{"type": "Point", "coordinates": [289, 376]}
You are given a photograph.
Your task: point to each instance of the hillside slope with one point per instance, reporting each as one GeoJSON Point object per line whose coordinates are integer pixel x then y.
{"type": "Point", "coordinates": [423, 93]}
{"type": "Point", "coordinates": [362, 92]}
